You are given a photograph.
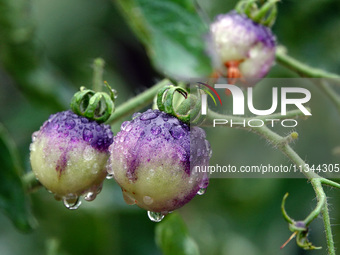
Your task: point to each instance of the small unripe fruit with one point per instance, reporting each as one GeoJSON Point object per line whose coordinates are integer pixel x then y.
{"type": "Point", "coordinates": [69, 154]}
{"type": "Point", "coordinates": [153, 159]}
{"type": "Point", "coordinates": [237, 42]}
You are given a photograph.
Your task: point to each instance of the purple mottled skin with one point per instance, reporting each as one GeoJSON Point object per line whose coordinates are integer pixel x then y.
{"type": "Point", "coordinates": [79, 129]}
{"type": "Point", "coordinates": [153, 159]}
{"type": "Point", "coordinates": [263, 33]}
{"type": "Point", "coordinates": [69, 153]}
{"type": "Point", "coordinates": [244, 47]}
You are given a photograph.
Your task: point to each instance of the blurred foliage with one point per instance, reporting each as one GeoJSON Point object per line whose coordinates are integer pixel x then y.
{"type": "Point", "coordinates": [13, 200]}
{"type": "Point", "coordinates": [173, 238]}
{"type": "Point", "coordinates": [170, 29]}
{"type": "Point", "coordinates": [46, 51]}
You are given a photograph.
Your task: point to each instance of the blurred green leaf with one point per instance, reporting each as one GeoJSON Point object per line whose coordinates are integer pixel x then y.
{"type": "Point", "coordinates": [13, 201]}
{"type": "Point", "coordinates": [173, 34]}
{"type": "Point", "coordinates": [23, 60]}
{"type": "Point", "coordinates": [173, 238]}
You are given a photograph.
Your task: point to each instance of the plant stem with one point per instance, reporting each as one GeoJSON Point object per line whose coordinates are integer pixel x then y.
{"type": "Point", "coordinates": [321, 197]}
{"type": "Point", "coordinates": [30, 182]}
{"type": "Point", "coordinates": [330, 183]}
{"type": "Point", "coordinates": [328, 229]}
{"type": "Point", "coordinates": [331, 93]}
{"type": "Point", "coordinates": [98, 69]}
{"type": "Point", "coordinates": [282, 143]}
{"type": "Point", "coordinates": [301, 68]}
{"type": "Point", "coordinates": [138, 102]}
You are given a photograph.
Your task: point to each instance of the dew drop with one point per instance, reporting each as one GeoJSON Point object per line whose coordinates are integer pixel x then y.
{"type": "Point", "coordinates": [84, 120]}
{"type": "Point", "coordinates": [115, 93]}
{"type": "Point", "coordinates": [147, 200]}
{"type": "Point", "coordinates": [32, 147]}
{"type": "Point", "coordinates": [165, 117]}
{"type": "Point", "coordinates": [70, 124]}
{"type": "Point", "coordinates": [121, 139]}
{"type": "Point", "coordinates": [124, 125]}
{"type": "Point", "coordinates": [181, 153]}
{"type": "Point", "coordinates": [156, 130]}
{"type": "Point", "coordinates": [88, 153]}
{"type": "Point", "coordinates": [34, 136]}
{"type": "Point", "coordinates": [177, 132]}
{"type": "Point", "coordinates": [201, 191]}
{"type": "Point", "coordinates": [87, 135]}
{"type": "Point", "coordinates": [90, 196]}
{"type": "Point", "coordinates": [155, 216]}
{"type": "Point", "coordinates": [99, 189]}
{"type": "Point", "coordinates": [72, 202]}
{"type": "Point", "coordinates": [148, 116]}
{"type": "Point", "coordinates": [109, 176]}
{"type": "Point", "coordinates": [136, 114]}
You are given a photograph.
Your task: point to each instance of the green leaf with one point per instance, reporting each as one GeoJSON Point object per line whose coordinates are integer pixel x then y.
{"type": "Point", "coordinates": [173, 238]}
{"type": "Point", "coordinates": [13, 201]}
{"type": "Point", "coordinates": [173, 34]}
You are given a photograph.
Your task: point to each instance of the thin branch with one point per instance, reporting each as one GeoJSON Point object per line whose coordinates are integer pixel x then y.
{"type": "Point", "coordinates": [301, 68]}
{"type": "Point", "coordinates": [138, 102]}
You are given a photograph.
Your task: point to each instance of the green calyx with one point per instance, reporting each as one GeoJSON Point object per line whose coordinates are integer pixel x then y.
{"type": "Point", "coordinates": [188, 109]}
{"type": "Point", "coordinates": [264, 14]}
{"type": "Point", "coordinates": [299, 229]}
{"type": "Point", "coordinates": [97, 106]}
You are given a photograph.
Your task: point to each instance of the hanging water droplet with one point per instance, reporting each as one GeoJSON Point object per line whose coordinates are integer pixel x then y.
{"type": "Point", "coordinates": [147, 200]}
{"type": "Point", "coordinates": [155, 216]}
{"type": "Point", "coordinates": [99, 188]}
{"type": "Point", "coordinates": [201, 191]}
{"type": "Point", "coordinates": [90, 196]}
{"type": "Point", "coordinates": [72, 202]}
{"type": "Point", "coordinates": [109, 176]}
